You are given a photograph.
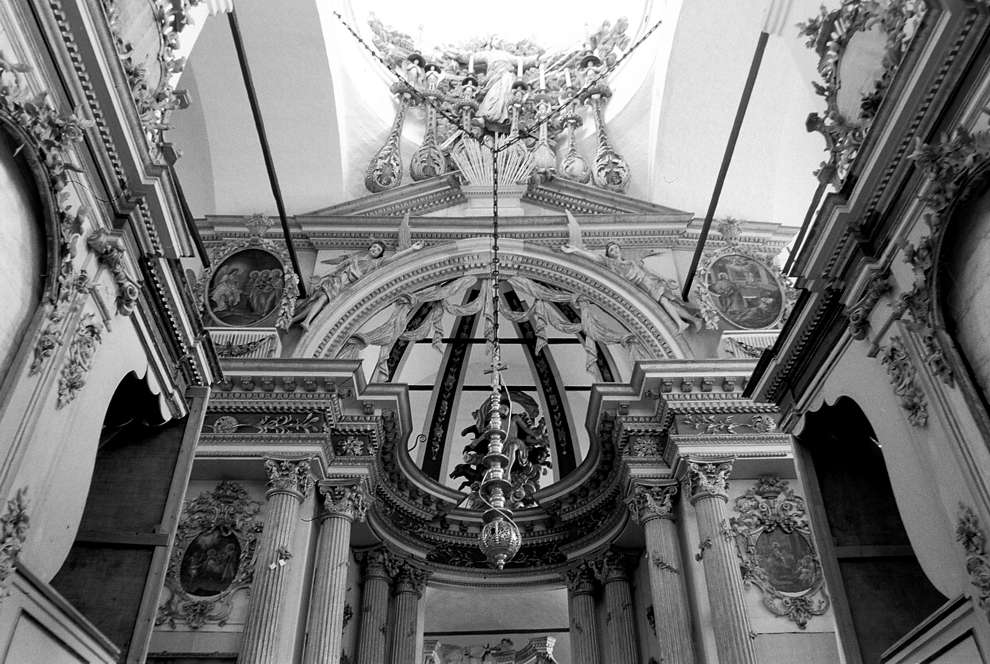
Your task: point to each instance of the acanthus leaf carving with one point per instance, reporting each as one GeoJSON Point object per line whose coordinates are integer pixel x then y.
{"type": "Point", "coordinates": [709, 478]}
{"type": "Point", "coordinates": [903, 377]}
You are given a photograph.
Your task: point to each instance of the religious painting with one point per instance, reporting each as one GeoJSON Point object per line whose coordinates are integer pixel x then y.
{"type": "Point", "coordinates": [778, 555]}
{"type": "Point", "coordinates": [210, 563]}
{"type": "Point", "coordinates": [787, 559]}
{"type": "Point", "coordinates": [246, 289]}
{"type": "Point", "coordinates": [213, 557]}
{"type": "Point", "coordinates": [744, 291]}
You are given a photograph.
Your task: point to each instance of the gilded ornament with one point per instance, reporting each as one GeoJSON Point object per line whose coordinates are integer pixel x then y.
{"type": "Point", "coordinates": [709, 478]}
{"type": "Point", "coordinates": [647, 502]}
{"type": "Point", "coordinates": [347, 500]}
{"type": "Point", "coordinates": [289, 475]}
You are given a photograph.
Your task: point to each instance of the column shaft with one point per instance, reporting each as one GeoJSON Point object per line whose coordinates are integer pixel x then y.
{"type": "Point", "coordinates": [619, 622]}
{"type": "Point", "coordinates": [405, 627]}
{"type": "Point", "coordinates": [259, 644]}
{"type": "Point", "coordinates": [374, 611]}
{"type": "Point", "coordinates": [670, 604]}
{"type": "Point", "coordinates": [583, 619]}
{"type": "Point", "coordinates": [718, 550]}
{"type": "Point", "coordinates": [344, 500]}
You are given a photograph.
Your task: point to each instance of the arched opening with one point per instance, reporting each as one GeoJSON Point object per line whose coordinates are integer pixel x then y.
{"type": "Point", "coordinates": [114, 570]}
{"type": "Point", "coordinates": [878, 586]}
{"type": "Point", "coordinates": [22, 235]}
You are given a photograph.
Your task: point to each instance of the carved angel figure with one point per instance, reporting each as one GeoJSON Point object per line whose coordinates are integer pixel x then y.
{"type": "Point", "coordinates": [350, 268]}
{"type": "Point", "coordinates": [637, 273]}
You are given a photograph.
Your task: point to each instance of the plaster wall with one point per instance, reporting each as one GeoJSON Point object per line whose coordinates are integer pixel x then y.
{"type": "Point", "coordinates": [967, 300]}
{"type": "Point", "coordinates": [21, 237]}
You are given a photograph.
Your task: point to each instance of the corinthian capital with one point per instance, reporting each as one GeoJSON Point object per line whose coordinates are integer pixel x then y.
{"type": "Point", "coordinates": [408, 578]}
{"type": "Point", "coordinates": [580, 579]}
{"type": "Point", "coordinates": [648, 502]}
{"type": "Point", "coordinates": [345, 498]}
{"type": "Point", "coordinates": [709, 477]}
{"type": "Point", "coordinates": [288, 476]}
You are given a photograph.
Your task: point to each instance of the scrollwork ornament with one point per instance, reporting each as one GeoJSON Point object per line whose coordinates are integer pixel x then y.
{"type": "Point", "coordinates": [218, 525]}
{"type": "Point", "coordinates": [709, 478]}
{"type": "Point", "coordinates": [385, 170]}
{"type": "Point", "coordinates": [974, 543]}
{"type": "Point", "coordinates": [859, 312]}
{"type": "Point", "coordinates": [777, 551]}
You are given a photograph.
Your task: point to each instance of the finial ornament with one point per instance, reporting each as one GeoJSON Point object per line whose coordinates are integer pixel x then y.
{"type": "Point", "coordinates": [288, 476]}
{"type": "Point", "coordinates": [709, 477]}
{"type": "Point", "coordinates": [648, 502]}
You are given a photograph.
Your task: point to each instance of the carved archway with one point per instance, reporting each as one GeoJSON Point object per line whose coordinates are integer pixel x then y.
{"type": "Point", "coordinates": [630, 306]}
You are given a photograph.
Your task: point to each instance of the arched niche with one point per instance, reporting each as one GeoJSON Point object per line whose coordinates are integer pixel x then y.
{"type": "Point", "coordinates": [29, 236]}
{"type": "Point", "coordinates": [879, 588]}
{"type": "Point", "coordinates": [627, 304]}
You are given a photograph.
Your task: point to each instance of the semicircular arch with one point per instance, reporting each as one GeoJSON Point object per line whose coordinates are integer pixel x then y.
{"type": "Point", "coordinates": [627, 304]}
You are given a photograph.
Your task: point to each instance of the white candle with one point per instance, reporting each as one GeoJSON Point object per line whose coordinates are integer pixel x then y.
{"type": "Point", "coordinates": [519, 71]}
{"type": "Point", "coordinates": [471, 64]}
{"type": "Point", "coordinates": [567, 77]}
{"type": "Point", "coordinates": [543, 77]}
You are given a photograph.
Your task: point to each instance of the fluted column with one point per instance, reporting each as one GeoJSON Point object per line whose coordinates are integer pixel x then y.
{"type": "Point", "coordinates": [409, 584]}
{"type": "Point", "coordinates": [652, 506]}
{"type": "Point", "coordinates": [581, 606]}
{"type": "Point", "coordinates": [289, 482]}
{"type": "Point", "coordinates": [620, 630]}
{"type": "Point", "coordinates": [374, 609]}
{"type": "Point", "coordinates": [343, 502]}
{"type": "Point", "coordinates": [709, 483]}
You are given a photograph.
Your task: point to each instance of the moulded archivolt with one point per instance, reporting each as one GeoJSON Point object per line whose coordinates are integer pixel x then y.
{"type": "Point", "coordinates": [213, 557]}
{"type": "Point", "coordinates": [777, 552]}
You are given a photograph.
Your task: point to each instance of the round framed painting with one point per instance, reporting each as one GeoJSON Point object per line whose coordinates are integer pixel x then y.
{"type": "Point", "coordinates": [744, 291]}
{"type": "Point", "coordinates": [246, 288]}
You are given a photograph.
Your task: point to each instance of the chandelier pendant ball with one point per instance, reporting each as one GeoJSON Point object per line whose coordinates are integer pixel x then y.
{"type": "Point", "coordinates": [500, 541]}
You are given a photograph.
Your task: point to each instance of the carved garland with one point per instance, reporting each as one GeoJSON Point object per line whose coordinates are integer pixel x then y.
{"type": "Point", "coordinates": [211, 524]}
{"type": "Point", "coordinates": [88, 336]}
{"type": "Point", "coordinates": [974, 543]}
{"type": "Point", "coordinates": [778, 554]}
{"type": "Point", "coordinates": [903, 377]}
{"type": "Point", "coordinates": [829, 34]}
{"type": "Point", "coordinates": [153, 101]}
{"type": "Point", "coordinates": [13, 531]}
